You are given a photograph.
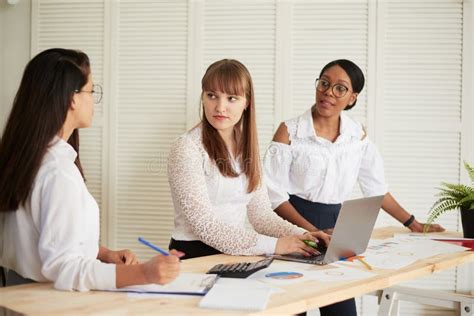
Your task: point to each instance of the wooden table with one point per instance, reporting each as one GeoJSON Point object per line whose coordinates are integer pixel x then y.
{"type": "Point", "coordinates": [43, 299]}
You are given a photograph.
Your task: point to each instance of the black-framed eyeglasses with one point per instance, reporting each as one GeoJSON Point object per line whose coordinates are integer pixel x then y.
{"type": "Point", "coordinates": [96, 93]}
{"type": "Point", "coordinates": [338, 90]}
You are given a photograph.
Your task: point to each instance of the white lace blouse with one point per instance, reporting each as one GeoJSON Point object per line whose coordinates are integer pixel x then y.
{"type": "Point", "coordinates": [318, 170]}
{"type": "Point", "coordinates": [216, 209]}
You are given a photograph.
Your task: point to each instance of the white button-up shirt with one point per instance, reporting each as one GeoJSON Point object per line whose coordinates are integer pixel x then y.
{"type": "Point", "coordinates": [54, 235]}
{"type": "Point", "coordinates": [318, 170]}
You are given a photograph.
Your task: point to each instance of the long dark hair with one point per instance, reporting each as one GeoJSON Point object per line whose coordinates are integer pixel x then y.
{"type": "Point", "coordinates": [232, 77]}
{"type": "Point", "coordinates": [353, 71]}
{"type": "Point", "coordinates": [38, 114]}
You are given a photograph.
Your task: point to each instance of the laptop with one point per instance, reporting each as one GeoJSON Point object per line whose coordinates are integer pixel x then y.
{"type": "Point", "coordinates": [351, 234]}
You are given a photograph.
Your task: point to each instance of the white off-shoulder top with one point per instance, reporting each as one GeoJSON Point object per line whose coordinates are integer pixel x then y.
{"type": "Point", "coordinates": [318, 170]}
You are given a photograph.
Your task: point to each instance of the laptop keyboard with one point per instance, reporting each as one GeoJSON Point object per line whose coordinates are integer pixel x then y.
{"type": "Point", "coordinates": [311, 259]}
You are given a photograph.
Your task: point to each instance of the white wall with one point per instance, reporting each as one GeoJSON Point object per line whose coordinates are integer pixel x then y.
{"type": "Point", "coordinates": [15, 27]}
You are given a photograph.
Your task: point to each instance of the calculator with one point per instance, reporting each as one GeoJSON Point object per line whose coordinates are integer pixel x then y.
{"type": "Point", "coordinates": [241, 269]}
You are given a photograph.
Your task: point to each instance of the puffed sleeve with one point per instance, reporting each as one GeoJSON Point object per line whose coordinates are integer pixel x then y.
{"type": "Point", "coordinates": [60, 243]}
{"type": "Point", "coordinates": [371, 174]}
{"type": "Point", "coordinates": [187, 181]}
{"type": "Point", "coordinates": [276, 169]}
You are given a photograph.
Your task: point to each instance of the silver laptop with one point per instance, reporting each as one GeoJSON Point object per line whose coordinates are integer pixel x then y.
{"type": "Point", "coordinates": [351, 234]}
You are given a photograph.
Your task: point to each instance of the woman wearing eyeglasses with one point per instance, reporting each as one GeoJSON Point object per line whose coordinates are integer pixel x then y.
{"type": "Point", "coordinates": [315, 160]}
{"type": "Point", "coordinates": [49, 221]}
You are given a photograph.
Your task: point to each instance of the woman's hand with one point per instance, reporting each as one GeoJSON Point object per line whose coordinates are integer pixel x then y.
{"type": "Point", "coordinates": [295, 244]}
{"type": "Point", "coordinates": [118, 257]}
{"type": "Point", "coordinates": [418, 227]}
{"type": "Point", "coordinates": [328, 231]}
{"type": "Point", "coordinates": [320, 236]}
{"type": "Point", "coordinates": [162, 269]}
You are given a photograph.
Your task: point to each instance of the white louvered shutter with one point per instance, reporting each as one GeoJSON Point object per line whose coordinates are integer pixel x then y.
{"type": "Point", "coordinates": [420, 118]}
{"type": "Point", "coordinates": [323, 31]}
{"type": "Point", "coordinates": [245, 30]}
{"type": "Point", "coordinates": [410, 52]}
{"type": "Point", "coordinates": [77, 25]}
{"type": "Point", "coordinates": [151, 60]}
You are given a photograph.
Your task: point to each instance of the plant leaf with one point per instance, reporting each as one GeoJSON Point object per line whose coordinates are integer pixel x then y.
{"type": "Point", "coordinates": [442, 199]}
{"type": "Point", "coordinates": [467, 200]}
{"type": "Point", "coordinates": [439, 209]}
{"type": "Point", "coordinates": [470, 171]}
{"type": "Point", "coordinates": [452, 194]}
{"type": "Point", "coordinates": [459, 188]}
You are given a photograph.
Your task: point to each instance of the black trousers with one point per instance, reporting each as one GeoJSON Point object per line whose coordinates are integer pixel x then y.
{"type": "Point", "coordinates": [10, 278]}
{"type": "Point", "coordinates": [193, 248]}
{"type": "Point", "coordinates": [324, 216]}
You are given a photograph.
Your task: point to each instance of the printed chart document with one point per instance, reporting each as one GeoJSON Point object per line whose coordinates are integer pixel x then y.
{"type": "Point", "coordinates": [339, 272]}
{"type": "Point", "coordinates": [396, 253]}
{"type": "Point", "coordinates": [448, 236]}
{"type": "Point", "coordinates": [184, 284]}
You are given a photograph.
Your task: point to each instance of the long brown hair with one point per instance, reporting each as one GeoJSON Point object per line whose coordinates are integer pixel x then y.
{"type": "Point", "coordinates": [232, 77]}
{"type": "Point", "coordinates": [38, 114]}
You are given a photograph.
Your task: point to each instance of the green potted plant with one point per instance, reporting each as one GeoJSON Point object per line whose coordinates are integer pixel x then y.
{"type": "Point", "coordinates": [456, 196]}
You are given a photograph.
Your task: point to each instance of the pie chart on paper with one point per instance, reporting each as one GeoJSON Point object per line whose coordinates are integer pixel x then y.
{"type": "Point", "coordinates": [284, 275]}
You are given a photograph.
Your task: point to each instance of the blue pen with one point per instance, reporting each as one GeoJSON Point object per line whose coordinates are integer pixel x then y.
{"type": "Point", "coordinates": [149, 244]}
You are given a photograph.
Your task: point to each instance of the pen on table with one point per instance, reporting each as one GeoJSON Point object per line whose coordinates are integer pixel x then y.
{"type": "Point", "coordinates": [365, 263]}
{"type": "Point", "coordinates": [149, 244]}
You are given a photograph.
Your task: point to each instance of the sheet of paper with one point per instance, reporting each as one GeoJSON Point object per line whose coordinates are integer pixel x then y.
{"type": "Point", "coordinates": [185, 283]}
{"type": "Point", "coordinates": [282, 273]}
{"type": "Point", "coordinates": [223, 296]}
{"type": "Point", "coordinates": [430, 236]}
{"type": "Point", "coordinates": [155, 296]}
{"type": "Point", "coordinates": [247, 283]}
{"type": "Point", "coordinates": [396, 253]}
{"type": "Point", "coordinates": [339, 272]}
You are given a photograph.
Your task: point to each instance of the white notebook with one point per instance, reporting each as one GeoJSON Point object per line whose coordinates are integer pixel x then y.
{"type": "Point", "coordinates": [236, 298]}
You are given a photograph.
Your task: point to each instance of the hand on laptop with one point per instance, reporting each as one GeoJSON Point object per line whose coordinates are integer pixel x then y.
{"type": "Point", "coordinates": [328, 231]}
{"type": "Point", "coordinates": [295, 244]}
{"type": "Point", "coordinates": [319, 236]}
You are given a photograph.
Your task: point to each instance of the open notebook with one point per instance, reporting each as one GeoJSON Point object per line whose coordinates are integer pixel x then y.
{"type": "Point", "coordinates": [184, 284]}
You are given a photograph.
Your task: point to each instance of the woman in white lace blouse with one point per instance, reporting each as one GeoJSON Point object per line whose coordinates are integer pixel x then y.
{"type": "Point", "coordinates": [221, 204]}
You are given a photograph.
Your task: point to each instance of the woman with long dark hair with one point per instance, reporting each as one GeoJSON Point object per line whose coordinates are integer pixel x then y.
{"type": "Point", "coordinates": [49, 221]}
{"type": "Point", "coordinates": [215, 178]}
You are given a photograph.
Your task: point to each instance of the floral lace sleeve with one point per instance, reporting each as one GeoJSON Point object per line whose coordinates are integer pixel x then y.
{"type": "Point", "coordinates": [264, 220]}
{"type": "Point", "coordinates": [189, 191]}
